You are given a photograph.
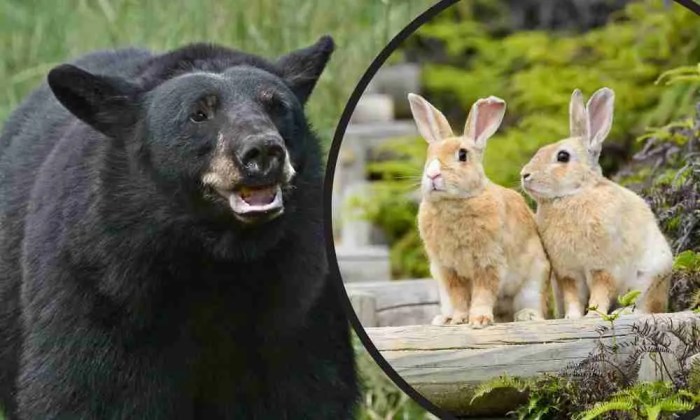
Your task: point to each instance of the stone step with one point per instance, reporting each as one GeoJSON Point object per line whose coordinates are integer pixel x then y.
{"type": "Point", "coordinates": [366, 263]}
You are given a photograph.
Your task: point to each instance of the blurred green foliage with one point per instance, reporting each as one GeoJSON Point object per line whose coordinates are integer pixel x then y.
{"type": "Point", "coordinates": [394, 203]}
{"type": "Point", "coordinates": [381, 399]}
{"type": "Point", "coordinates": [535, 72]}
{"type": "Point", "coordinates": [38, 34]}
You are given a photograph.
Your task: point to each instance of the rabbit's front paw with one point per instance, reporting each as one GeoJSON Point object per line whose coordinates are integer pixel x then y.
{"type": "Point", "coordinates": [459, 317]}
{"type": "Point", "coordinates": [441, 320]}
{"type": "Point", "coordinates": [480, 319]}
{"type": "Point", "coordinates": [528, 314]}
{"type": "Point", "coordinates": [573, 315]}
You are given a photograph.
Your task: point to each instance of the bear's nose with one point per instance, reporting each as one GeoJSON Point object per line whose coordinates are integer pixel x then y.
{"type": "Point", "coordinates": [263, 156]}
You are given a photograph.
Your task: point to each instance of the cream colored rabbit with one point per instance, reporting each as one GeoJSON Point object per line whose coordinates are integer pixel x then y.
{"type": "Point", "coordinates": [481, 238]}
{"type": "Point", "coordinates": [602, 239]}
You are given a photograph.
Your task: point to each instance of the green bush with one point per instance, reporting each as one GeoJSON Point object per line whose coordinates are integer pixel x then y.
{"type": "Point", "coordinates": [645, 400]}
{"type": "Point", "coordinates": [667, 173]}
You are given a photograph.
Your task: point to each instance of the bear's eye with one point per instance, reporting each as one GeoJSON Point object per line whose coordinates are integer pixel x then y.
{"type": "Point", "coordinates": [462, 155]}
{"type": "Point", "coordinates": [199, 116]}
{"type": "Point", "coordinates": [563, 156]}
{"type": "Point", "coordinates": [272, 101]}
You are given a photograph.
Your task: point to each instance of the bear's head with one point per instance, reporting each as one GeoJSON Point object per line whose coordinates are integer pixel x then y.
{"type": "Point", "coordinates": [221, 130]}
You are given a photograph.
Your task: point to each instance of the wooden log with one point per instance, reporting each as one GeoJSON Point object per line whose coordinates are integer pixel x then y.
{"type": "Point", "coordinates": [446, 364]}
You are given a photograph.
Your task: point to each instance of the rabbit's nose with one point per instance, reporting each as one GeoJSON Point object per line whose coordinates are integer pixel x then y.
{"type": "Point", "coordinates": [433, 169]}
{"type": "Point", "coordinates": [525, 176]}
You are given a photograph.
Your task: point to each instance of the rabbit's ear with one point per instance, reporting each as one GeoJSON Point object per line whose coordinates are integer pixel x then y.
{"type": "Point", "coordinates": [432, 125]}
{"type": "Point", "coordinates": [484, 119]}
{"type": "Point", "coordinates": [600, 117]}
{"type": "Point", "coordinates": [578, 117]}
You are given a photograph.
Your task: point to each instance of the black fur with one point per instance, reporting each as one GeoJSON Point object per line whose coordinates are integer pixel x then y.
{"type": "Point", "coordinates": [127, 288]}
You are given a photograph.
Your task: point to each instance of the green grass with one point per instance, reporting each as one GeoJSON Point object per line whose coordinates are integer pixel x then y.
{"type": "Point", "coordinates": [38, 34]}
{"type": "Point", "coordinates": [35, 35]}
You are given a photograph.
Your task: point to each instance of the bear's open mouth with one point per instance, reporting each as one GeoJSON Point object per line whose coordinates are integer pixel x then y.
{"type": "Point", "coordinates": [250, 201]}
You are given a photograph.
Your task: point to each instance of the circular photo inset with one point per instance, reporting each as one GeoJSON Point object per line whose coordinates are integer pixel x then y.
{"type": "Point", "coordinates": [515, 207]}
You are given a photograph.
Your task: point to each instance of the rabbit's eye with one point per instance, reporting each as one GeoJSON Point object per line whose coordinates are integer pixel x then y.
{"type": "Point", "coordinates": [462, 155]}
{"type": "Point", "coordinates": [563, 156]}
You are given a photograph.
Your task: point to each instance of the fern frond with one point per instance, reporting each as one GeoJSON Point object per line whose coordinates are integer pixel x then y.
{"type": "Point", "coordinates": [675, 405]}
{"type": "Point", "coordinates": [605, 407]}
{"type": "Point", "coordinates": [503, 381]}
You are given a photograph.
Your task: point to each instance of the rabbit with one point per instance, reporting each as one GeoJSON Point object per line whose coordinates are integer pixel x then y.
{"type": "Point", "coordinates": [481, 238]}
{"type": "Point", "coordinates": [602, 239]}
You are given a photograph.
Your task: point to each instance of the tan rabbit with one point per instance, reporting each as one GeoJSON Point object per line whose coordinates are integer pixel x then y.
{"type": "Point", "coordinates": [602, 239]}
{"type": "Point", "coordinates": [481, 238]}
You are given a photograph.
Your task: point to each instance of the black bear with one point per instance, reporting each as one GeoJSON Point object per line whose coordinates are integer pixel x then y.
{"type": "Point", "coordinates": [161, 242]}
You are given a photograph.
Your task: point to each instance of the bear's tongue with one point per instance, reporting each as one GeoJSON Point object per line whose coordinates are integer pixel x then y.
{"type": "Point", "coordinates": [258, 196]}
{"type": "Point", "coordinates": [247, 200]}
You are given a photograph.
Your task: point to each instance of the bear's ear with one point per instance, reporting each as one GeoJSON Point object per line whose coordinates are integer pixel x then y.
{"type": "Point", "coordinates": [108, 104]}
{"type": "Point", "coordinates": [302, 68]}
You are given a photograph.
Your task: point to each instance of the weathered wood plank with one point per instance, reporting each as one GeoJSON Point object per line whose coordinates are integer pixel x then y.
{"type": "Point", "coordinates": [446, 363]}
{"type": "Point", "coordinates": [429, 337]}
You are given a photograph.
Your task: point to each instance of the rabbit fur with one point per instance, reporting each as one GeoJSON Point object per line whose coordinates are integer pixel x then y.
{"type": "Point", "coordinates": [602, 239]}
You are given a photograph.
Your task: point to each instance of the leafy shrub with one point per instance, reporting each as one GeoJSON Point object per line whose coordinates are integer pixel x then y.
{"type": "Point", "coordinates": [667, 172]}
{"type": "Point", "coordinates": [646, 400]}
{"type": "Point", "coordinates": [685, 282]}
